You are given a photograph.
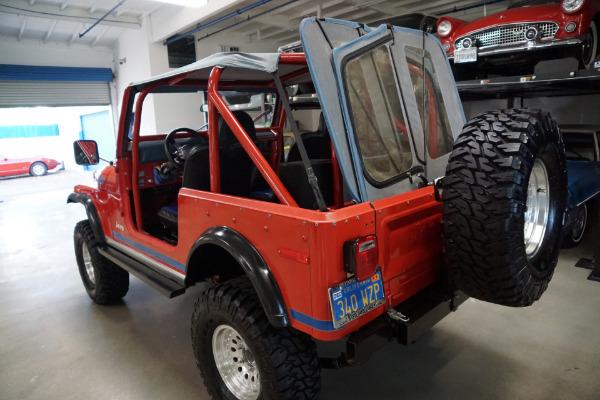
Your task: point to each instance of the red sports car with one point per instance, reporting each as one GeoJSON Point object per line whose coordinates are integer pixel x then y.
{"type": "Point", "coordinates": [36, 166]}
{"type": "Point", "coordinates": [529, 31]}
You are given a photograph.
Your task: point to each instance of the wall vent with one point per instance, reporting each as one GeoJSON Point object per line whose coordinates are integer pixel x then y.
{"type": "Point", "coordinates": [226, 48]}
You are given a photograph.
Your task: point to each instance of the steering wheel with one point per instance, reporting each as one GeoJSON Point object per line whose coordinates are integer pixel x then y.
{"type": "Point", "coordinates": [176, 154]}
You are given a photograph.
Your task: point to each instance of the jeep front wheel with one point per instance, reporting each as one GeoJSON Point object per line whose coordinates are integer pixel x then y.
{"type": "Point", "coordinates": [104, 281]}
{"type": "Point", "coordinates": [241, 356]}
{"type": "Point", "coordinates": [504, 199]}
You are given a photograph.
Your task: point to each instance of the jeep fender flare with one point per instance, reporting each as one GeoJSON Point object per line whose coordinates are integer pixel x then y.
{"type": "Point", "coordinates": [91, 211]}
{"type": "Point", "coordinates": [253, 265]}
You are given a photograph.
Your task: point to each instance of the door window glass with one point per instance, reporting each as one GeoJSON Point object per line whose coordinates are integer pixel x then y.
{"type": "Point", "coordinates": [438, 135]}
{"type": "Point", "coordinates": [377, 116]}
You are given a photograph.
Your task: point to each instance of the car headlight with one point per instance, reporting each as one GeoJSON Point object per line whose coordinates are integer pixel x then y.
{"type": "Point", "coordinates": [572, 5]}
{"type": "Point", "coordinates": [444, 28]}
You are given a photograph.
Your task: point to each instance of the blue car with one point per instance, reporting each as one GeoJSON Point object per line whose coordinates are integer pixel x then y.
{"type": "Point", "coordinates": [583, 169]}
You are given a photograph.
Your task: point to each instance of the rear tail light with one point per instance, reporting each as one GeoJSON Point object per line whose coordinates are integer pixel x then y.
{"type": "Point", "coordinates": [361, 256]}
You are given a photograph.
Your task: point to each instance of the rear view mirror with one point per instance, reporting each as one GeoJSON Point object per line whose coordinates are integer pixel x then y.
{"type": "Point", "coordinates": [86, 152]}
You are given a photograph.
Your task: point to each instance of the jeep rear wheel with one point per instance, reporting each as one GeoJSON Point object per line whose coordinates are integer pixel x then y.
{"type": "Point", "coordinates": [104, 281]}
{"type": "Point", "coordinates": [241, 356]}
{"type": "Point", "coordinates": [504, 199]}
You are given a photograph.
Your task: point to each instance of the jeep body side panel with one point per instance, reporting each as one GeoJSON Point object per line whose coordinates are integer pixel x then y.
{"type": "Point", "coordinates": [301, 248]}
{"type": "Point", "coordinates": [90, 209]}
{"type": "Point", "coordinates": [253, 265]}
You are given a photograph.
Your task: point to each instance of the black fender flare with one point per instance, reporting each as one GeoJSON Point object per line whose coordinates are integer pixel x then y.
{"type": "Point", "coordinates": [254, 266]}
{"type": "Point", "coordinates": [91, 211]}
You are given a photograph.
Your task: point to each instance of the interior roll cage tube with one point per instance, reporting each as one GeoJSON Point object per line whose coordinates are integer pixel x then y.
{"type": "Point", "coordinates": [312, 179]}
{"type": "Point", "coordinates": [217, 107]}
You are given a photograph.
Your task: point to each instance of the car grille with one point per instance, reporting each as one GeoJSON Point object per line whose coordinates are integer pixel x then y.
{"type": "Point", "coordinates": [508, 34]}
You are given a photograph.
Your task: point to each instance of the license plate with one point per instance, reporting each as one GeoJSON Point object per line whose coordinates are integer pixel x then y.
{"type": "Point", "coordinates": [352, 299]}
{"type": "Point", "coordinates": [465, 55]}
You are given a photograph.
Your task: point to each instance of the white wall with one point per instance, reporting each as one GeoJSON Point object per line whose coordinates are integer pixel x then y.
{"type": "Point", "coordinates": [33, 52]}
{"type": "Point", "coordinates": [143, 57]}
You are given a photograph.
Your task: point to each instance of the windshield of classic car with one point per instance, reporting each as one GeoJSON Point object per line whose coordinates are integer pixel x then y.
{"type": "Point", "coordinates": [377, 115]}
{"type": "Point", "coordinates": [259, 106]}
{"type": "Point", "coordinates": [163, 112]}
{"type": "Point", "coordinates": [579, 146]}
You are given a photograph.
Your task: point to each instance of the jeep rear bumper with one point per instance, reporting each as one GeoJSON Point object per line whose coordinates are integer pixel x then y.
{"type": "Point", "coordinates": [405, 324]}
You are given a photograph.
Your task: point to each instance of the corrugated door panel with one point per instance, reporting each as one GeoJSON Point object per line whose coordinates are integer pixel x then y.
{"type": "Point", "coordinates": [98, 126]}
{"type": "Point", "coordinates": [53, 94]}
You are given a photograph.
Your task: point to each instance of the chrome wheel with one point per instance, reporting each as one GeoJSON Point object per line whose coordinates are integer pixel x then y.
{"type": "Point", "coordinates": [579, 226]}
{"type": "Point", "coordinates": [235, 363]}
{"type": "Point", "coordinates": [38, 169]}
{"type": "Point", "coordinates": [89, 267]}
{"type": "Point", "coordinates": [538, 208]}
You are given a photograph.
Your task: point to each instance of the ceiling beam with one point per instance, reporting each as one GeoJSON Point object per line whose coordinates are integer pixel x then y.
{"type": "Point", "coordinates": [50, 31]}
{"type": "Point", "coordinates": [372, 5]}
{"type": "Point", "coordinates": [22, 30]}
{"type": "Point", "coordinates": [63, 5]}
{"type": "Point", "coordinates": [77, 14]}
{"type": "Point", "coordinates": [75, 34]}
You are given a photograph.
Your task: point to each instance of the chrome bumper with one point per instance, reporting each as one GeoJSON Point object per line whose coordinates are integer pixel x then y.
{"type": "Point", "coordinates": [527, 46]}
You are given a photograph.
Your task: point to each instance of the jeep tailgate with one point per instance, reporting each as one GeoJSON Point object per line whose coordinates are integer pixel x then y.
{"type": "Point", "coordinates": [408, 228]}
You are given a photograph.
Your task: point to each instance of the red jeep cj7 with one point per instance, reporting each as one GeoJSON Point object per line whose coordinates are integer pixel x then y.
{"type": "Point", "coordinates": [340, 236]}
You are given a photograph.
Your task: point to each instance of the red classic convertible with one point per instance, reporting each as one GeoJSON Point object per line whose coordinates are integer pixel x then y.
{"type": "Point", "coordinates": [513, 40]}
{"type": "Point", "coordinates": [36, 166]}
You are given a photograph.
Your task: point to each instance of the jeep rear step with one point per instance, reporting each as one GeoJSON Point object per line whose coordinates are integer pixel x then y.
{"type": "Point", "coordinates": [404, 323]}
{"type": "Point", "coordinates": [143, 272]}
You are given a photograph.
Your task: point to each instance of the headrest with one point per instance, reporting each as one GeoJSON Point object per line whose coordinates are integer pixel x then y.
{"type": "Point", "coordinates": [322, 129]}
{"type": "Point", "coordinates": [226, 135]}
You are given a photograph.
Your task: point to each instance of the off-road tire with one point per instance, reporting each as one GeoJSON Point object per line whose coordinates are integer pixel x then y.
{"type": "Point", "coordinates": [485, 195]}
{"type": "Point", "coordinates": [286, 359]}
{"type": "Point", "coordinates": [38, 168]}
{"type": "Point", "coordinates": [106, 282]}
{"type": "Point", "coordinates": [574, 236]}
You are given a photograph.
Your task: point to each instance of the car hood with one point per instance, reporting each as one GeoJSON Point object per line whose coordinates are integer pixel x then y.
{"type": "Point", "coordinates": [524, 14]}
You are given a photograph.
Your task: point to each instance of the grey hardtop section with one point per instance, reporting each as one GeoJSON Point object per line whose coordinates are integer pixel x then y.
{"type": "Point", "coordinates": [319, 38]}
{"type": "Point", "coordinates": [254, 67]}
{"type": "Point", "coordinates": [328, 43]}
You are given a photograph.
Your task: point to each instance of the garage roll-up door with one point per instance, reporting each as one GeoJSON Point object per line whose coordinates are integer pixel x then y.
{"type": "Point", "coordinates": [30, 86]}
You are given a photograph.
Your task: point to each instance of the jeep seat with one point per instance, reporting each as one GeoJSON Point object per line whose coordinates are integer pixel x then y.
{"type": "Point", "coordinates": [236, 167]}
{"type": "Point", "coordinates": [317, 144]}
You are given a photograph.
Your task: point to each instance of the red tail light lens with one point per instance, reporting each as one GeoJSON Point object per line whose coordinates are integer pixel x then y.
{"type": "Point", "coordinates": [361, 256]}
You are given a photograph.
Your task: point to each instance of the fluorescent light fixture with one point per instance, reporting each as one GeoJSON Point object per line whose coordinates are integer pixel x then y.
{"type": "Point", "coordinates": [184, 3]}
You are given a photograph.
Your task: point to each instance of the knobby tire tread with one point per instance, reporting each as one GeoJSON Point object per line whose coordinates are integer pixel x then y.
{"type": "Point", "coordinates": [112, 282]}
{"type": "Point", "coordinates": [484, 201]}
{"type": "Point", "coordinates": [290, 368]}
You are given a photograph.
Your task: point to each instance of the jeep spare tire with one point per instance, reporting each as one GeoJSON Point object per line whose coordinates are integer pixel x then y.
{"type": "Point", "coordinates": [504, 197]}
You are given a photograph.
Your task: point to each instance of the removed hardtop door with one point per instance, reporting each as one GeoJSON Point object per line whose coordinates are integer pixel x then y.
{"type": "Point", "coordinates": [389, 101]}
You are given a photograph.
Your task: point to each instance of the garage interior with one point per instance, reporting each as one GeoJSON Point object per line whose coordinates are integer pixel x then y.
{"type": "Point", "coordinates": [57, 344]}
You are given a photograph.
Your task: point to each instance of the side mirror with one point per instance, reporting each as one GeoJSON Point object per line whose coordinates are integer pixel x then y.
{"type": "Point", "coordinates": [86, 152]}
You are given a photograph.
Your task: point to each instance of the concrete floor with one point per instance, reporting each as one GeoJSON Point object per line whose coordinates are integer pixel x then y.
{"type": "Point", "coordinates": [56, 344]}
